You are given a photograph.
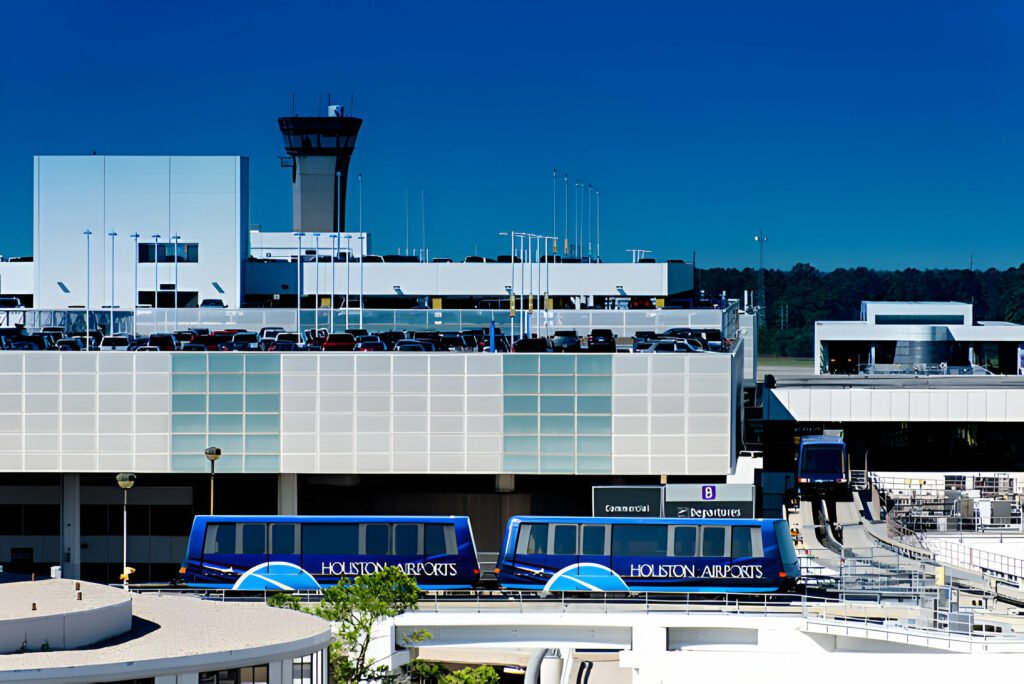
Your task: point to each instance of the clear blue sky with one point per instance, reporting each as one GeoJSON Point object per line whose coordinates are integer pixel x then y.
{"type": "Point", "coordinates": [886, 134]}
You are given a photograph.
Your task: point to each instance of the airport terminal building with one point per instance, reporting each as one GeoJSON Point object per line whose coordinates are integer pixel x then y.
{"type": "Point", "coordinates": [137, 244]}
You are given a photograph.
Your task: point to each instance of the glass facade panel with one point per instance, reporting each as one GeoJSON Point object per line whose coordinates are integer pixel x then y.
{"type": "Point", "coordinates": [262, 463]}
{"type": "Point", "coordinates": [556, 445]}
{"type": "Point", "coordinates": [522, 404]}
{"type": "Point", "coordinates": [557, 405]}
{"type": "Point", "coordinates": [266, 382]}
{"type": "Point", "coordinates": [262, 403]}
{"type": "Point", "coordinates": [262, 363]}
{"type": "Point", "coordinates": [221, 422]}
{"type": "Point", "coordinates": [594, 404]}
{"type": "Point", "coordinates": [597, 364]}
{"type": "Point", "coordinates": [521, 425]}
{"type": "Point", "coordinates": [521, 445]}
{"type": "Point", "coordinates": [225, 403]}
{"type": "Point", "coordinates": [556, 425]}
{"type": "Point", "coordinates": [188, 403]}
{"type": "Point", "coordinates": [557, 464]}
{"type": "Point", "coordinates": [226, 363]}
{"type": "Point", "coordinates": [263, 423]}
{"type": "Point", "coordinates": [520, 384]}
{"type": "Point", "coordinates": [187, 423]}
{"type": "Point", "coordinates": [594, 425]}
{"type": "Point", "coordinates": [223, 382]}
{"type": "Point", "coordinates": [188, 383]}
{"type": "Point", "coordinates": [594, 384]}
{"type": "Point", "coordinates": [513, 463]}
{"type": "Point", "coordinates": [520, 363]}
{"type": "Point", "coordinates": [594, 465]}
{"type": "Point", "coordinates": [188, 363]}
{"type": "Point", "coordinates": [557, 384]}
{"type": "Point", "coordinates": [561, 364]}
{"type": "Point", "coordinates": [594, 446]}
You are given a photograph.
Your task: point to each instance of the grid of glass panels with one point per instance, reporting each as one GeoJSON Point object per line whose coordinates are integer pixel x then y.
{"type": "Point", "coordinates": [231, 401]}
{"type": "Point", "coordinates": [557, 413]}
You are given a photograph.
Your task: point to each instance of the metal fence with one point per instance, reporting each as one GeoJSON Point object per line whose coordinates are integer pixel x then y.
{"type": "Point", "coordinates": [73, 321]}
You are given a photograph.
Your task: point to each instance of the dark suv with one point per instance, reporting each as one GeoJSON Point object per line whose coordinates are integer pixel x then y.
{"type": "Point", "coordinates": [565, 341]}
{"type": "Point", "coordinates": [601, 340]}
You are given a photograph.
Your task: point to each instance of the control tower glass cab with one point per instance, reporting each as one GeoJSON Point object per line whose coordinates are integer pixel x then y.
{"type": "Point", "coordinates": [320, 148]}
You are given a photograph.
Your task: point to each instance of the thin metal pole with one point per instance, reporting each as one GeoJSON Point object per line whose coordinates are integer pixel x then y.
{"type": "Point", "coordinates": [348, 268]}
{"type": "Point", "coordinates": [135, 297]}
{"type": "Point", "coordinates": [362, 260]}
{"type": "Point", "coordinates": [576, 218]}
{"type": "Point", "coordinates": [316, 302]}
{"type": "Point", "coordinates": [334, 252]}
{"type": "Point", "coordinates": [554, 202]}
{"type": "Point", "coordinates": [590, 245]}
{"type": "Point", "coordinates": [88, 282]}
{"type": "Point", "coordinates": [298, 288]}
{"type": "Point", "coordinates": [213, 470]}
{"type": "Point", "coordinates": [407, 220]}
{"type": "Point", "coordinates": [156, 272]}
{"type": "Point", "coordinates": [522, 284]}
{"type": "Point", "coordinates": [113, 272]}
{"type": "Point", "coordinates": [597, 193]}
{"type": "Point", "coordinates": [360, 177]}
{"type": "Point", "coordinates": [423, 222]}
{"type": "Point", "coordinates": [124, 543]}
{"type": "Point", "coordinates": [512, 285]}
{"type": "Point", "coordinates": [177, 240]}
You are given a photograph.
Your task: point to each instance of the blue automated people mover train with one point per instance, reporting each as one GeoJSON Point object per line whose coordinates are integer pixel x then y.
{"type": "Point", "coordinates": [647, 554]}
{"type": "Point", "coordinates": [305, 553]}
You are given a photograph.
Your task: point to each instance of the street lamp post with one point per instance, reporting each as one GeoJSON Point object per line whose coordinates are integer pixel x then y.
{"type": "Point", "coordinates": [316, 302]}
{"type": "Point", "coordinates": [212, 454]}
{"type": "Point", "coordinates": [298, 287]}
{"type": "Point", "coordinates": [176, 238]}
{"type": "Point", "coordinates": [135, 295]}
{"type": "Point", "coordinates": [348, 270]}
{"type": "Point", "coordinates": [156, 273]}
{"type": "Point", "coordinates": [760, 239]}
{"type": "Point", "coordinates": [334, 252]}
{"type": "Point", "coordinates": [113, 271]}
{"type": "Point", "coordinates": [88, 281]}
{"type": "Point", "coordinates": [362, 258]}
{"type": "Point", "coordinates": [125, 482]}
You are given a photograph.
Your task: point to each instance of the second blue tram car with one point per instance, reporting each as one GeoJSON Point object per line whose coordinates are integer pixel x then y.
{"type": "Point", "coordinates": [647, 554]}
{"type": "Point", "coordinates": [305, 553]}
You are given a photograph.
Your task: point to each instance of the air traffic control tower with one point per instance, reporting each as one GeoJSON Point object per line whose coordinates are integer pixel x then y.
{"type": "Point", "coordinates": [320, 148]}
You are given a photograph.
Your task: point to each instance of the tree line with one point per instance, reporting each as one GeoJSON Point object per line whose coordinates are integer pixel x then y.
{"type": "Point", "coordinates": [796, 298]}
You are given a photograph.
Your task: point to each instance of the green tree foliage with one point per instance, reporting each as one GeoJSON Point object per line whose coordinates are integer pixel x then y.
{"type": "Point", "coordinates": [355, 606]}
{"type": "Point", "coordinates": [485, 674]}
{"type": "Point", "coordinates": [285, 600]}
{"type": "Point", "coordinates": [802, 295]}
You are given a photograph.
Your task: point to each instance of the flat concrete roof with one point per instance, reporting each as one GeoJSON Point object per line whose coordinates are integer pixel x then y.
{"type": "Point", "coordinates": [175, 634]}
{"type": "Point", "coordinates": [54, 597]}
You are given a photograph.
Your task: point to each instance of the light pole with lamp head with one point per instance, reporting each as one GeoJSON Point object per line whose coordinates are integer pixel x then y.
{"type": "Point", "coordinates": [156, 273]}
{"type": "Point", "coordinates": [135, 295]}
{"type": "Point", "coordinates": [362, 259]}
{"type": "Point", "coordinates": [348, 270]}
{"type": "Point", "coordinates": [175, 239]}
{"type": "Point", "coordinates": [316, 301]}
{"type": "Point", "coordinates": [212, 454]}
{"type": "Point", "coordinates": [88, 280]}
{"type": "Point", "coordinates": [334, 253]}
{"type": "Point", "coordinates": [112, 234]}
{"type": "Point", "coordinates": [298, 286]}
{"type": "Point", "coordinates": [125, 482]}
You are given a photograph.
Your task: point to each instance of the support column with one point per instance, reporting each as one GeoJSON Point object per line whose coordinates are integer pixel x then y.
{"type": "Point", "coordinates": [71, 525]}
{"type": "Point", "coordinates": [287, 494]}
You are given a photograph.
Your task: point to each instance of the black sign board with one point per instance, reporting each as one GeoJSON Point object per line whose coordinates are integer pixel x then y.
{"type": "Point", "coordinates": [627, 502]}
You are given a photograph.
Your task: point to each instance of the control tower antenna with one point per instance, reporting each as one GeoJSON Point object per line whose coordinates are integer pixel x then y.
{"type": "Point", "coordinates": [321, 148]}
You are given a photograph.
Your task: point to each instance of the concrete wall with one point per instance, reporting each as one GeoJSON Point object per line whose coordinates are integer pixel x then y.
{"type": "Point", "coordinates": [370, 413]}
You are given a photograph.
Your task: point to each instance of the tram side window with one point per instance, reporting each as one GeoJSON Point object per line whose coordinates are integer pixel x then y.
{"type": "Point", "coordinates": [593, 542]}
{"type": "Point", "coordinates": [330, 539]}
{"type": "Point", "coordinates": [713, 542]}
{"type": "Point", "coordinates": [439, 540]}
{"type": "Point", "coordinates": [684, 541]}
{"type": "Point", "coordinates": [746, 542]}
{"type": "Point", "coordinates": [254, 538]}
{"type": "Point", "coordinates": [375, 539]}
{"type": "Point", "coordinates": [220, 538]}
{"type": "Point", "coordinates": [283, 538]}
{"type": "Point", "coordinates": [407, 539]}
{"type": "Point", "coordinates": [533, 539]}
{"type": "Point", "coordinates": [565, 540]}
{"type": "Point", "coordinates": [639, 540]}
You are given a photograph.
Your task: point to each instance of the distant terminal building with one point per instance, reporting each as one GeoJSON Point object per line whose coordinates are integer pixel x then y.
{"type": "Point", "coordinates": [924, 338]}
